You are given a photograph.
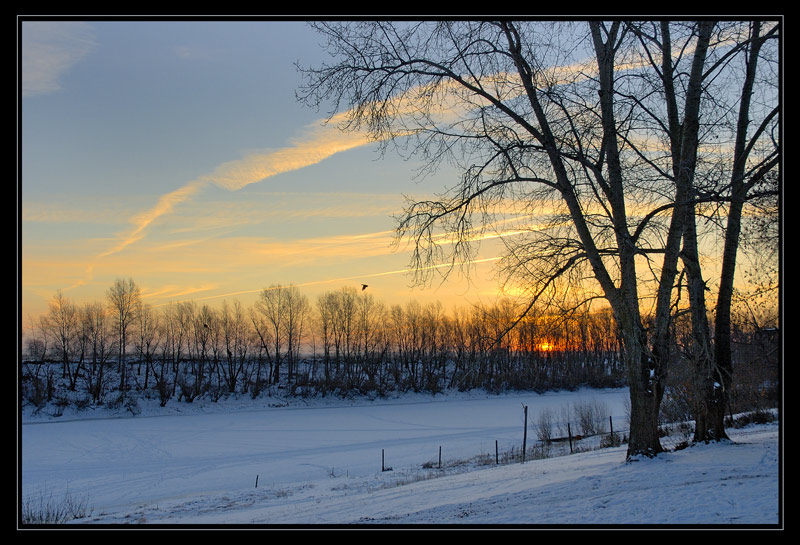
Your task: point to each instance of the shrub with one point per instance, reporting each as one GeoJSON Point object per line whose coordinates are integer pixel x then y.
{"type": "Point", "coordinates": [544, 427]}
{"type": "Point", "coordinates": [611, 440]}
{"type": "Point", "coordinates": [592, 417]}
{"type": "Point", "coordinates": [46, 510]}
{"type": "Point", "coordinates": [126, 401]}
{"type": "Point", "coordinates": [758, 416]}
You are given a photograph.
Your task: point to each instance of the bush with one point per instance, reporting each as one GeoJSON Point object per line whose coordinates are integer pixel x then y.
{"type": "Point", "coordinates": [611, 440]}
{"type": "Point", "coordinates": [675, 408]}
{"type": "Point", "coordinates": [544, 427]}
{"type": "Point", "coordinates": [34, 391]}
{"type": "Point", "coordinates": [126, 401]}
{"type": "Point", "coordinates": [164, 389]}
{"type": "Point", "coordinates": [592, 417]}
{"type": "Point", "coordinates": [759, 416]}
{"type": "Point", "coordinates": [46, 510]}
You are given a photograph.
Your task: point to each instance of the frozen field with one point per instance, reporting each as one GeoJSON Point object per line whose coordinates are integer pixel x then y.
{"type": "Point", "coordinates": [320, 463]}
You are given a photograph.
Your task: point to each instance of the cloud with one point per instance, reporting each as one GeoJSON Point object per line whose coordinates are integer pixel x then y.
{"type": "Point", "coordinates": [49, 50]}
{"type": "Point", "coordinates": [172, 290]}
{"type": "Point", "coordinates": [318, 143]}
{"type": "Point", "coordinates": [327, 281]}
{"type": "Point", "coordinates": [164, 205]}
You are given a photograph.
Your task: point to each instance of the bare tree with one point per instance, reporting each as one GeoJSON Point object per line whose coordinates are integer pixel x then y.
{"type": "Point", "coordinates": [147, 338]}
{"type": "Point", "coordinates": [36, 345]}
{"type": "Point", "coordinates": [101, 345]}
{"type": "Point", "coordinates": [325, 324]}
{"type": "Point", "coordinates": [270, 307]}
{"type": "Point", "coordinates": [534, 123]}
{"type": "Point", "coordinates": [202, 327]}
{"type": "Point", "coordinates": [123, 298]}
{"type": "Point", "coordinates": [339, 327]}
{"type": "Point", "coordinates": [295, 321]}
{"type": "Point", "coordinates": [752, 163]}
{"type": "Point", "coordinates": [62, 320]}
{"type": "Point", "coordinates": [235, 338]}
{"type": "Point", "coordinates": [593, 129]}
{"type": "Point", "coordinates": [727, 82]}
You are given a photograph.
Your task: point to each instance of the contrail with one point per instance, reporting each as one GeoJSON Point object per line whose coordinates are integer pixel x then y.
{"type": "Point", "coordinates": [164, 205]}
{"type": "Point", "coordinates": [319, 143]}
{"type": "Point", "coordinates": [332, 280]}
{"type": "Point", "coordinates": [324, 140]}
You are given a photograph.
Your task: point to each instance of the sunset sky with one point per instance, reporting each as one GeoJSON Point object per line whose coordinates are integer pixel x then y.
{"type": "Point", "coordinates": [175, 153]}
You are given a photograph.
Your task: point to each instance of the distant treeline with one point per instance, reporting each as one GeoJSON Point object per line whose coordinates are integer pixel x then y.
{"type": "Point", "coordinates": [346, 342]}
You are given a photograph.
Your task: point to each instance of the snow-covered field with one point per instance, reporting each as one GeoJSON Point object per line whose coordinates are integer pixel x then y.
{"type": "Point", "coordinates": [274, 462]}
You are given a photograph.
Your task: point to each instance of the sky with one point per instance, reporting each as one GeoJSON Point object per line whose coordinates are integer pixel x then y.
{"type": "Point", "coordinates": [175, 153]}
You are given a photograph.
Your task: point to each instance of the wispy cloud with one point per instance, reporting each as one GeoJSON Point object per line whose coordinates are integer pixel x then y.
{"type": "Point", "coordinates": [318, 143]}
{"type": "Point", "coordinates": [49, 50]}
{"type": "Point", "coordinates": [164, 205]}
{"type": "Point", "coordinates": [233, 253]}
{"type": "Point", "coordinates": [332, 280]}
{"type": "Point", "coordinates": [315, 253]}
{"type": "Point", "coordinates": [171, 291]}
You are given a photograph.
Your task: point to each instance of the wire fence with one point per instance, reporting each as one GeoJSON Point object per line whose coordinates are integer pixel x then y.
{"type": "Point", "coordinates": [672, 437]}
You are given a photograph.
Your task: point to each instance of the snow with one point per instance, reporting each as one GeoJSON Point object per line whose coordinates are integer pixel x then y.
{"type": "Point", "coordinates": [277, 462]}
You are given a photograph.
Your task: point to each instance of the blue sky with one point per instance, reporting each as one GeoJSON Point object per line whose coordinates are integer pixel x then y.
{"type": "Point", "coordinates": [175, 153]}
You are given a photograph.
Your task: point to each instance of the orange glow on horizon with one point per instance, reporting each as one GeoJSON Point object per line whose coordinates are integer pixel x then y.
{"type": "Point", "coordinates": [545, 346]}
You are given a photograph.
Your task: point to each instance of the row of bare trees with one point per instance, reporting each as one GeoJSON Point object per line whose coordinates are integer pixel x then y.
{"type": "Point", "coordinates": [347, 341]}
{"type": "Point", "coordinates": [84, 338]}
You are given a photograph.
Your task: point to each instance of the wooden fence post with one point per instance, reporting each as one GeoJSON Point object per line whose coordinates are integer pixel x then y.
{"type": "Point", "coordinates": [569, 434]}
{"type": "Point", "coordinates": [525, 434]}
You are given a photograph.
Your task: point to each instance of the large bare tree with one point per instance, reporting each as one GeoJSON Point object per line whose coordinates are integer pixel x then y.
{"type": "Point", "coordinates": [739, 112]}
{"type": "Point", "coordinates": [546, 120]}
{"type": "Point", "coordinates": [752, 166]}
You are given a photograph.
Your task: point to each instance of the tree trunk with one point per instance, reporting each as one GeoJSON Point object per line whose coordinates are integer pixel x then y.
{"type": "Point", "coordinates": [709, 404]}
{"type": "Point", "coordinates": [644, 385]}
{"type": "Point", "coordinates": [645, 393]}
{"type": "Point", "coordinates": [719, 379]}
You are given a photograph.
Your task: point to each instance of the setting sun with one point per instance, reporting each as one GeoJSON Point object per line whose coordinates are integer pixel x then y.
{"type": "Point", "coordinates": [545, 346]}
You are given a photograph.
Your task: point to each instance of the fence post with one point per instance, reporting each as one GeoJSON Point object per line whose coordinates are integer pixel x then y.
{"type": "Point", "coordinates": [525, 434]}
{"type": "Point", "coordinates": [496, 454]}
{"type": "Point", "coordinates": [611, 424]}
{"type": "Point", "coordinates": [569, 434]}
{"type": "Point", "coordinates": [383, 466]}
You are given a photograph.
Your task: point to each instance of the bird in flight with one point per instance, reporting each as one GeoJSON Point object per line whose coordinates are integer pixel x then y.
{"type": "Point", "coordinates": [363, 287]}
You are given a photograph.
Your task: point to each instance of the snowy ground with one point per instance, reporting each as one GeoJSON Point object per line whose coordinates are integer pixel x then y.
{"type": "Point", "coordinates": [302, 464]}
